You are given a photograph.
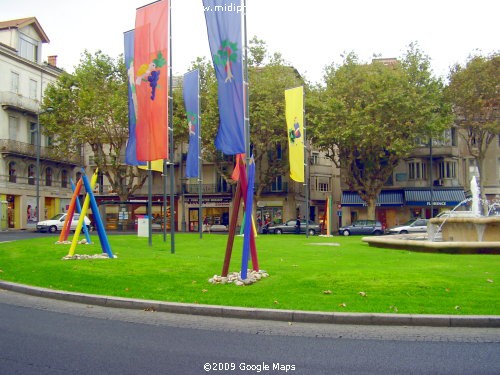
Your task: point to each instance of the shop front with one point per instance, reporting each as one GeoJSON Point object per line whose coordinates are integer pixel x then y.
{"type": "Point", "coordinates": [269, 213]}
{"type": "Point", "coordinates": [389, 207]}
{"type": "Point", "coordinates": [215, 210]}
{"type": "Point", "coordinates": [118, 215]}
{"type": "Point", "coordinates": [421, 201]}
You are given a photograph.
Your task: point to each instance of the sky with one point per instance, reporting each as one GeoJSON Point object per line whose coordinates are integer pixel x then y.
{"type": "Point", "coordinates": [309, 34]}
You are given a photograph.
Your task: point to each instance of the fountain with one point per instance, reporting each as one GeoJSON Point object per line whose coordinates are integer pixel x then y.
{"type": "Point", "coordinates": [455, 232]}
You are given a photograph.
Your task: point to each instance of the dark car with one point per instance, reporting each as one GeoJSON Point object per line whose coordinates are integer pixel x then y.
{"type": "Point", "coordinates": [362, 227]}
{"type": "Point", "coordinates": [289, 227]}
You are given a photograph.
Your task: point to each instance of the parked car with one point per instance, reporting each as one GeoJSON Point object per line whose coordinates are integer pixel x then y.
{"type": "Point", "coordinates": [289, 227]}
{"type": "Point", "coordinates": [413, 226]}
{"type": "Point", "coordinates": [56, 223]}
{"type": "Point", "coordinates": [362, 227]}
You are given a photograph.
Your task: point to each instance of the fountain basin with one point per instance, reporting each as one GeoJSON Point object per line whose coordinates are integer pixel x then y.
{"type": "Point", "coordinates": [420, 243]}
{"type": "Point", "coordinates": [468, 229]}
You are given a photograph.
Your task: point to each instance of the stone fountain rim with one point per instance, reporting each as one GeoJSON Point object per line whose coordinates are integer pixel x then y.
{"type": "Point", "coordinates": [466, 219]}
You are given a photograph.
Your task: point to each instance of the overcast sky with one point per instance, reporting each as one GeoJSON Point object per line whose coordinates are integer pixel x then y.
{"type": "Point", "coordinates": [309, 34]}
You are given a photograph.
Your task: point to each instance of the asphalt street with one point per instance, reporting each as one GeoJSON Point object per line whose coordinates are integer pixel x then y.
{"type": "Point", "coordinates": [45, 336]}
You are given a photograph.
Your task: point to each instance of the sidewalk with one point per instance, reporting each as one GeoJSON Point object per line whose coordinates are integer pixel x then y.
{"type": "Point", "coordinates": [478, 321]}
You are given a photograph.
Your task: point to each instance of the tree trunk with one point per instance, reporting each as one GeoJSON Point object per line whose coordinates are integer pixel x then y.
{"type": "Point", "coordinates": [371, 208]}
{"type": "Point", "coordinates": [482, 195]}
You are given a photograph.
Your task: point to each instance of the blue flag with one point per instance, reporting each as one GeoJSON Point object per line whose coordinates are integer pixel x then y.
{"type": "Point", "coordinates": [224, 37]}
{"type": "Point", "coordinates": [130, 152]}
{"type": "Point", "coordinates": [190, 92]}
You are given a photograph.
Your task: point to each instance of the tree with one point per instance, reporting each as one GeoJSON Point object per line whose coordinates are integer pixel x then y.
{"type": "Point", "coordinates": [473, 91]}
{"type": "Point", "coordinates": [90, 107]}
{"type": "Point", "coordinates": [269, 77]}
{"type": "Point", "coordinates": [367, 117]}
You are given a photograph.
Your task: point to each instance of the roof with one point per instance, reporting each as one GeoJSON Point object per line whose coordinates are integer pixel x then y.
{"type": "Point", "coordinates": [23, 22]}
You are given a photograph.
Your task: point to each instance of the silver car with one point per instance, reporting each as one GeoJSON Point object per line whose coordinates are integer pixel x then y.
{"type": "Point", "coordinates": [413, 226]}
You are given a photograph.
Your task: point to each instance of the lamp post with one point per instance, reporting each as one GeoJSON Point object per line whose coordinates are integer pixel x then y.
{"type": "Point", "coordinates": [38, 146]}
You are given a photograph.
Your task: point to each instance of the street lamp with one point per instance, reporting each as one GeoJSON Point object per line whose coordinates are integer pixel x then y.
{"type": "Point", "coordinates": [38, 146]}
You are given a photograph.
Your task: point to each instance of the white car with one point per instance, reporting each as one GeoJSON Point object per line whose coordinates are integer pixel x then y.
{"type": "Point", "coordinates": [413, 226]}
{"type": "Point", "coordinates": [56, 223]}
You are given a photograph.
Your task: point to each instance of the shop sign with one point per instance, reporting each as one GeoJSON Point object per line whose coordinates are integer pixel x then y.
{"type": "Point", "coordinates": [437, 204]}
{"type": "Point", "coordinates": [209, 202]}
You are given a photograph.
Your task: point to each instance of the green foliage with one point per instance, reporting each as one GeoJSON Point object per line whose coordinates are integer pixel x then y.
{"type": "Point", "coordinates": [367, 117]}
{"type": "Point", "coordinates": [305, 274]}
{"type": "Point", "coordinates": [474, 93]}
{"type": "Point", "coordinates": [268, 78]}
{"type": "Point", "coordinates": [90, 107]}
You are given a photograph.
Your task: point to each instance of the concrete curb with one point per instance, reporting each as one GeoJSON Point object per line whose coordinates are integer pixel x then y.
{"type": "Point", "coordinates": [489, 321]}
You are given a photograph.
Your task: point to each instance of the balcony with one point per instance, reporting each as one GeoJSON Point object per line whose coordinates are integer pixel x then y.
{"type": "Point", "coordinates": [437, 151]}
{"type": "Point", "coordinates": [276, 189]}
{"type": "Point", "coordinates": [27, 150]}
{"type": "Point", "coordinates": [19, 103]}
{"type": "Point", "coordinates": [207, 189]}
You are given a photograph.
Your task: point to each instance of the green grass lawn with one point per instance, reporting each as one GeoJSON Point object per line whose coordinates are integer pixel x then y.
{"type": "Point", "coordinates": [302, 273]}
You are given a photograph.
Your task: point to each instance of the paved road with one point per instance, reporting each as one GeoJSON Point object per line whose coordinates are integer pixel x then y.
{"type": "Point", "coordinates": [43, 336]}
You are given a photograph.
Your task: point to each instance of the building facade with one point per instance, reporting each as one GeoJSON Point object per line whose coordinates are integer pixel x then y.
{"type": "Point", "coordinates": [431, 180]}
{"type": "Point", "coordinates": [24, 155]}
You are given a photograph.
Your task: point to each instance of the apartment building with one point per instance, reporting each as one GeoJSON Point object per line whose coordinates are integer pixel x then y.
{"type": "Point", "coordinates": [433, 178]}
{"type": "Point", "coordinates": [24, 150]}
{"type": "Point", "coordinates": [279, 201]}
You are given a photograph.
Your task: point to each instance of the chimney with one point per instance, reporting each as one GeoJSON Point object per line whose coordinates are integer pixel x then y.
{"type": "Point", "coordinates": [52, 60]}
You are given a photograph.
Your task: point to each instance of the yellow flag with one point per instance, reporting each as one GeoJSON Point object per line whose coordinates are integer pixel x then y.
{"type": "Point", "coordinates": [294, 111]}
{"type": "Point", "coordinates": [156, 165]}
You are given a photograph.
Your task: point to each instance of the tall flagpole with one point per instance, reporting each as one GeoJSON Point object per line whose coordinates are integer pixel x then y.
{"type": "Point", "coordinates": [200, 161]}
{"type": "Point", "coordinates": [171, 135]}
{"type": "Point", "coordinates": [150, 199]}
{"type": "Point", "coordinates": [306, 163]}
{"type": "Point", "coordinates": [245, 90]}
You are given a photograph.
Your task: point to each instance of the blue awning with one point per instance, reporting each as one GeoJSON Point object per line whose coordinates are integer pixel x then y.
{"type": "Point", "coordinates": [385, 198]}
{"type": "Point", "coordinates": [440, 197]}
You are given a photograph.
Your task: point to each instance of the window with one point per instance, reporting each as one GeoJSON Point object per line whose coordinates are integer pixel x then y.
{"type": "Point", "coordinates": [447, 169]}
{"type": "Point", "coordinates": [279, 152]}
{"type": "Point", "coordinates": [417, 170]}
{"type": "Point", "coordinates": [28, 48]}
{"type": "Point", "coordinates": [14, 82]}
{"type": "Point", "coordinates": [322, 183]}
{"type": "Point", "coordinates": [277, 184]}
{"type": "Point", "coordinates": [31, 174]}
{"type": "Point", "coordinates": [13, 127]}
{"type": "Point", "coordinates": [33, 89]}
{"type": "Point", "coordinates": [314, 158]}
{"type": "Point", "coordinates": [12, 172]}
{"type": "Point", "coordinates": [33, 133]}
{"type": "Point", "coordinates": [64, 178]}
{"type": "Point", "coordinates": [222, 185]}
{"type": "Point", "coordinates": [48, 177]}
